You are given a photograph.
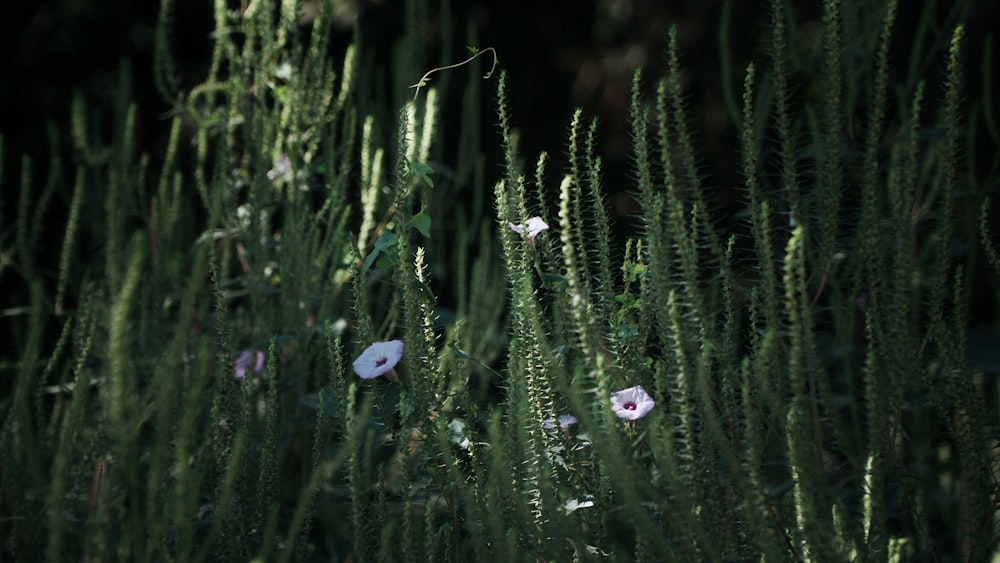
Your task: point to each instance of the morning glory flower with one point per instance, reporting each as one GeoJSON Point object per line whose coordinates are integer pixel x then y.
{"type": "Point", "coordinates": [565, 421]}
{"type": "Point", "coordinates": [632, 403]}
{"type": "Point", "coordinates": [248, 360]}
{"type": "Point", "coordinates": [379, 359]}
{"type": "Point", "coordinates": [531, 228]}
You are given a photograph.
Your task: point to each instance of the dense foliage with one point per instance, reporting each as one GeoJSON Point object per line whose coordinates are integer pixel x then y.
{"type": "Point", "coordinates": [309, 332]}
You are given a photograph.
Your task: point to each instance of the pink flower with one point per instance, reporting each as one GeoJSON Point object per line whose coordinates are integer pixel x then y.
{"type": "Point", "coordinates": [379, 359]}
{"type": "Point", "coordinates": [632, 403]}
{"type": "Point", "coordinates": [530, 228]}
{"type": "Point", "coordinates": [245, 362]}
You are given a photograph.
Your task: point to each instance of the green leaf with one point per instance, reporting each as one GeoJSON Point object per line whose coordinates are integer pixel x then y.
{"type": "Point", "coordinates": [384, 263]}
{"type": "Point", "coordinates": [282, 94]}
{"type": "Point", "coordinates": [422, 223]}
{"type": "Point", "coordinates": [635, 271]}
{"type": "Point", "coordinates": [422, 170]}
{"type": "Point", "coordinates": [387, 240]}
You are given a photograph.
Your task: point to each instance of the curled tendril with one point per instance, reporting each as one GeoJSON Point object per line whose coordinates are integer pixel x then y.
{"type": "Point", "coordinates": [475, 53]}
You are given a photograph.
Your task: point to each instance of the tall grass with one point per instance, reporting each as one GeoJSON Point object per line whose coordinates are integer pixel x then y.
{"type": "Point", "coordinates": [188, 394]}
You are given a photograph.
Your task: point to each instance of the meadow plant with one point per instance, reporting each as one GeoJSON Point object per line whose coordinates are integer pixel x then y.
{"type": "Point", "coordinates": [794, 381]}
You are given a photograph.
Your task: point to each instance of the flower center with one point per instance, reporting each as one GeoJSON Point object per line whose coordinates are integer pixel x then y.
{"type": "Point", "coordinates": [629, 406]}
{"type": "Point", "coordinates": [381, 362]}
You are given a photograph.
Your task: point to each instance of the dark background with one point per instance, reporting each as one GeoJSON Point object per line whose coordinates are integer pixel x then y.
{"type": "Point", "coordinates": [559, 55]}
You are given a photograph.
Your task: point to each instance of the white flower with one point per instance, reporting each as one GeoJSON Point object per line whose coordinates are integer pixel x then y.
{"type": "Point", "coordinates": [530, 228]}
{"type": "Point", "coordinates": [632, 403]}
{"type": "Point", "coordinates": [379, 359]}
{"type": "Point", "coordinates": [565, 420]}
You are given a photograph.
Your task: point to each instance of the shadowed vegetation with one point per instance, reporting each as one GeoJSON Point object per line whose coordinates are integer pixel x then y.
{"type": "Point", "coordinates": [806, 374]}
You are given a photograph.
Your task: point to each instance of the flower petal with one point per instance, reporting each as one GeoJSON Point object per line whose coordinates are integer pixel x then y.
{"type": "Point", "coordinates": [536, 225]}
{"type": "Point", "coordinates": [248, 360]}
{"type": "Point", "coordinates": [378, 359]}
{"type": "Point", "coordinates": [564, 421]}
{"type": "Point", "coordinates": [632, 403]}
{"type": "Point", "coordinates": [530, 228]}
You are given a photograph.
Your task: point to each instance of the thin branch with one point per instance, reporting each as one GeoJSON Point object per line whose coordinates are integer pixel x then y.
{"type": "Point", "coordinates": [475, 53]}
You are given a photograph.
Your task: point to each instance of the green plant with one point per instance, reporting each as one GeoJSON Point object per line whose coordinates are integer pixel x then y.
{"type": "Point", "coordinates": [796, 388]}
